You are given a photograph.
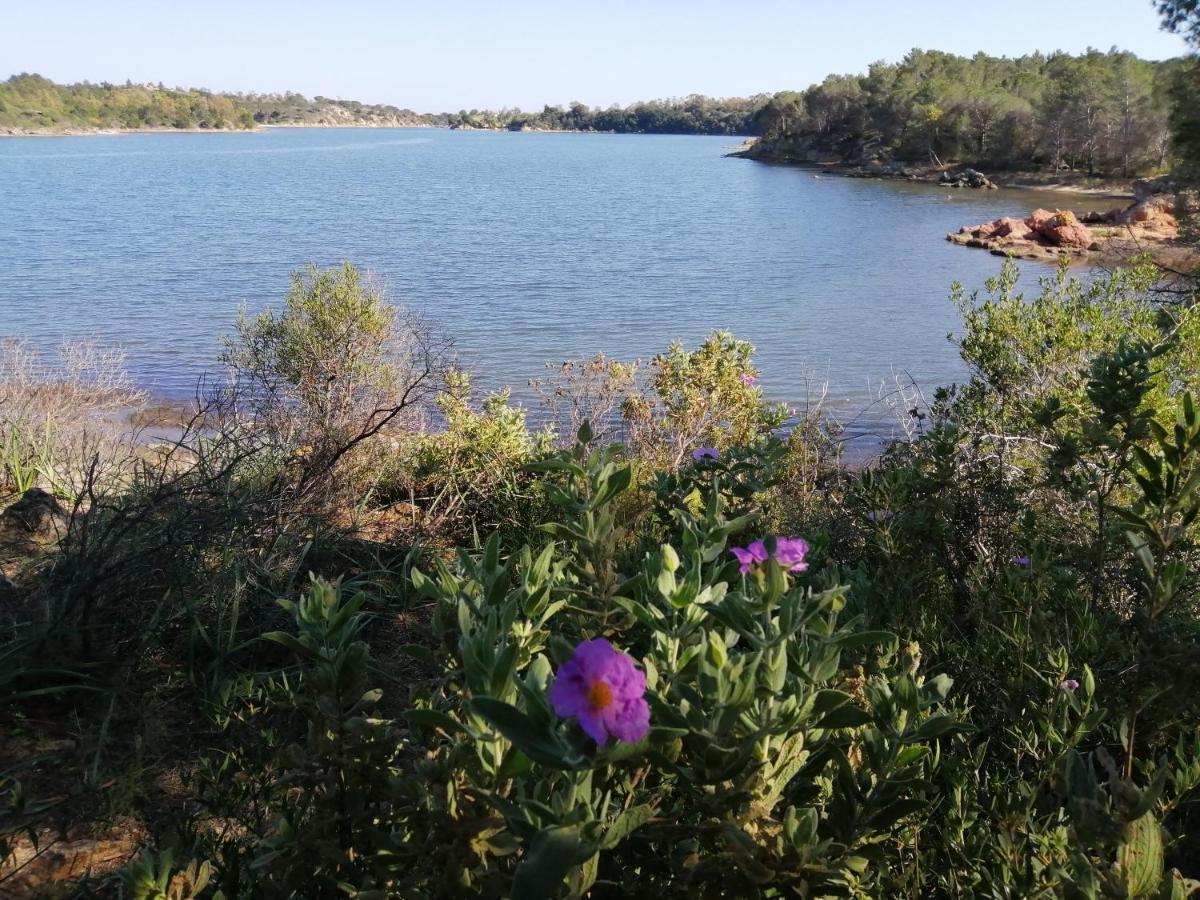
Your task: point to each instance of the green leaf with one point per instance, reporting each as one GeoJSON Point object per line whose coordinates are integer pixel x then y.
{"type": "Point", "coordinates": [864, 638]}
{"type": "Point", "coordinates": [1141, 856]}
{"type": "Point", "coordinates": [538, 742]}
{"type": "Point", "coordinates": [552, 854]}
{"type": "Point", "coordinates": [432, 718]}
{"type": "Point", "coordinates": [625, 824]}
{"type": "Point", "coordinates": [938, 726]}
{"type": "Point", "coordinates": [292, 643]}
{"type": "Point", "coordinates": [894, 812]}
{"type": "Point", "coordinates": [846, 717]}
{"type": "Point", "coordinates": [827, 701]}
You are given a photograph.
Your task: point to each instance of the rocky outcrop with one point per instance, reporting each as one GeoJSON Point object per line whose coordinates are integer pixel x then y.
{"type": "Point", "coordinates": [784, 149]}
{"type": "Point", "coordinates": [863, 160]}
{"type": "Point", "coordinates": [967, 178]}
{"type": "Point", "coordinates": [1060, 229]}
{"type": "Point", "coordinates": [1044, 235]}
{"type": "Point", "coordinates": [1147, 225]}
{"type": "Point", "coordinates": [1145, 188]}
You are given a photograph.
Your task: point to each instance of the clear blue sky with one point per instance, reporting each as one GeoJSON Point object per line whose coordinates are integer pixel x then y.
{"type": "Point", "coordinates": [451, 54]}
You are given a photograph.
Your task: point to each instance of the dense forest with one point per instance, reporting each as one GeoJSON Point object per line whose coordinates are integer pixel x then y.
{"type": "Point", "coordinates": [1096, 112]}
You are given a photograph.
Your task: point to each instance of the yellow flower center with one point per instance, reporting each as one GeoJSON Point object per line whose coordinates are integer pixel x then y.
{"type": "Point", "coordinates": [599, 695]}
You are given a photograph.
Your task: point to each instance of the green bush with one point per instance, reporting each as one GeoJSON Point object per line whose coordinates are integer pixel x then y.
{"type": "Point", "coordinates": [975, 677]}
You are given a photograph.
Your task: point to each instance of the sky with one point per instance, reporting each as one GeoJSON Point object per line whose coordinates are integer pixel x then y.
{"type": "Point", "coordinates": [446, 55]}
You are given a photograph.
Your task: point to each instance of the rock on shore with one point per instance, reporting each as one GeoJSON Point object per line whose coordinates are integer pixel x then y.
{"type": "Point", "coordinates": [865, 160]}
{"type": "Point", "coordinates": [1147, 225]}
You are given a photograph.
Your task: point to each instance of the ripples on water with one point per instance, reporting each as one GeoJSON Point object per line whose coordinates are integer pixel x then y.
{"type": "Point", "coordinates": [527, 248]}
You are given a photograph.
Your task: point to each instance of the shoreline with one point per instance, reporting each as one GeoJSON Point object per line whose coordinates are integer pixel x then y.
{"type": "Point", "coordinates": [268, 126]}
{"type": "Point", "coordinates": [112, 132]}
{"type": "Point", "coordinates": [1101, 187]}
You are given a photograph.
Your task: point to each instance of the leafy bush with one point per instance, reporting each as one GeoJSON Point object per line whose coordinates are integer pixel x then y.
{"type": "Point", "coordinates": [338, 363]}
{"type": "Point", "coordinates": [709, 661]}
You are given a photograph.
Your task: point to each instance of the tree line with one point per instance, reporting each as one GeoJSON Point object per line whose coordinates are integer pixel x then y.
{"type": "Point", "coordinates": [1098, 112]}
{"type": "Point", "coordinates": [33, 103]}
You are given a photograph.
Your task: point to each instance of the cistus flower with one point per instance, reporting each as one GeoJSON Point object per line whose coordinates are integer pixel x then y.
{"type": "Point", "coordinates": [748, 380]}
{"type": "Point", "coordinates": [1021, 561]}
{"type": "Point", "coordinates": [1070, 685]}
{"type": "Point", "coordinates": [706, 454]}
{"type": "Point", "coordinates": [750, 556]}
{"type": "Point", "coordinates": [603, 690]}
{"type": "Point", "coordinates": [789, 553]}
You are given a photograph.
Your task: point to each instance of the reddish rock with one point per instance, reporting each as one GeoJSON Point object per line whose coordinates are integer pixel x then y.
{"type": "Point", "coordinates": [987, 229]}
{"type": "Point", "coordinates": [1038, 218]}
{"type": "Point", "coordinates": [1063, 235]}
{"type": "Point", "coordinates": [1010, 227]}
{"type": "Point", "coordinates": [1159, 210]}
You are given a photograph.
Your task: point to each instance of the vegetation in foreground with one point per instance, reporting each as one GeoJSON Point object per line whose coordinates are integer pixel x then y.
{"type": "Point", "coordinates": [312, 647]}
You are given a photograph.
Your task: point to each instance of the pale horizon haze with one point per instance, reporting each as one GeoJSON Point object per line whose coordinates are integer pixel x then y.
{"type": "Point", "coordinates": [445, 57]}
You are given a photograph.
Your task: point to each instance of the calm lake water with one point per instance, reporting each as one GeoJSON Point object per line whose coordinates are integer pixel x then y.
{"type": "Point", "coordinates": [528, 248]}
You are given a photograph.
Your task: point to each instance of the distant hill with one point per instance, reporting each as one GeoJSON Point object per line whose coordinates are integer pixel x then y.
{"type": "Point", "coordinates": [33, 104]}
{"type": "Point", "coordinates": [296, 109]}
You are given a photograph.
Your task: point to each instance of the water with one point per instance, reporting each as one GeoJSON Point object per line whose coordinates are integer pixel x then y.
{"type": "Point", "coordinates": [527, 248]}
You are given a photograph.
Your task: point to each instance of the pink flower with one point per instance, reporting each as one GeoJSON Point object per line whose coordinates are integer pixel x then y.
{"type": "Point", "coordinates": [748, 380]}
{"type": "Point", "coordinates": [1070, 685]}
{"type": "Point", "coordinates": [706, 454]}
{"type": "Point", "coordinates": [750, 556]}
{"type": "Point", "coordinates": [789, 553]}
{"type": "Point", "coordinates": [604, 691]}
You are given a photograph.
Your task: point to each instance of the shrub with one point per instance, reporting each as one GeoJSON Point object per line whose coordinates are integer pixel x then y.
{"type": "Point", "coordinates": [339, 363]}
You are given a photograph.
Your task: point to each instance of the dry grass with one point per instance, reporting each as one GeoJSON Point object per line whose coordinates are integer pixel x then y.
{"type": "Point", "coordinates": [62, 413]}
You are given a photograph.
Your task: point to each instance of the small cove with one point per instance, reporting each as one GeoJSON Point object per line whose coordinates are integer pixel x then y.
{"type": "Point", "coordinates": [527, 249]}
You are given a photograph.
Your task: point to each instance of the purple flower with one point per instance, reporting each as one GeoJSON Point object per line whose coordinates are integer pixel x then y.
{"type": "Point", "coordinates": [750, 556]}
{"type": "Point", "coordinates": [789, 553]}
{"type": "Point", "coordinates": [705, 454]}
{"type": "Point", "coordinates": [1070, 686]}
{"type": "Point", "coordinates": [879, 515]}
{"type": "Point", "coordinates": [748, 380]}
{"type": "Point", "coordinates": [603, 689]}
{"type": "Point", "coordinates": [1021, 561]}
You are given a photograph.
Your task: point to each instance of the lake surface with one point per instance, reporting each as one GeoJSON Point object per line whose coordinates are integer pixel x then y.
{"type": "Point", "coordinates": [527, 248]}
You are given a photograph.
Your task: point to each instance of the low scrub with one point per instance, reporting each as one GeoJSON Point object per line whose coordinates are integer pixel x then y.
{"type": "Point", "coordinates": [684, 652]}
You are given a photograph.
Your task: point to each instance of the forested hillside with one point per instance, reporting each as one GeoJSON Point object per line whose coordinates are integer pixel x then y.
{"type": "Point", "coordinates": [695, 114]}
{"type": "Point", "coordinates": [33, 103]}
{"type": "Point", "coordinates": [296, 109]}
{"type": "Point", "coordinates": [1097, 112]}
